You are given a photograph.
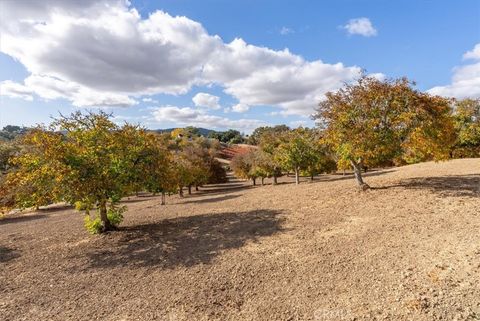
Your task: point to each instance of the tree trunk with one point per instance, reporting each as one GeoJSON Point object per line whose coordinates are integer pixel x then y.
{"type": "Point", "coordinates": [297, 177]}
{"type": "Point", "coordinates": [102, 207]}
{"type": "Point", "coordinates": [357, 169]}
{"type": "Point", "coordinates": [180, 191]}
{"type": "Point", "coordinates": [163, 198]}
{"type": "Point", "coordinates": [189, 189]}
{"type": "Point", "coordinates": [274, 180]}
{"type": "Point", "coordinates": [254, 180]}
{"type": "Point", "coordinates": [344, 173]}
{"type": "Point", "coordinates": [196, 188]}
{"type": "Point", "coordinates": [311, 177]}
{"type": "Point", "coordinates": [263, 178]}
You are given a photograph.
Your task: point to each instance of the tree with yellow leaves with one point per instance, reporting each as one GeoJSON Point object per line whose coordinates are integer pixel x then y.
{"type": "Point", "coordinates": [379, 122]}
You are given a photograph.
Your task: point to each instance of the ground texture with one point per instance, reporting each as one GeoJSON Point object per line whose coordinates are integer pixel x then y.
{"type": "Point", "coordinates": [409, 249]}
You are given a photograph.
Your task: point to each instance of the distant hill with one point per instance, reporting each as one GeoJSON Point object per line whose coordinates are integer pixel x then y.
{"type": "Point", "coordinates": [203, 131]}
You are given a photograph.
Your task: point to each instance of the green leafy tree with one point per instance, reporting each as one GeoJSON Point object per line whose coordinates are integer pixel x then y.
{"type": "Point", "coordinates": [269, 142]}
{"type": "Point", "coordinates": [244, 166]}
{"type": "Point", "coordinates": [81, 158]}
{"type": "Point", "coordinates": [256, 137]}
{"type": "Point", "coordinates": [296, 152]}
{"type": "Point", "coordinates": [467, 127]}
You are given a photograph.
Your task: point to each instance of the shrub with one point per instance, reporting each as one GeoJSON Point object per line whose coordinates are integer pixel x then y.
{"type": "Point", "coordinates": [115, 215]}
{"type": "Point", "coordinates": [80, 206]}
{"type": "Point", "coordinates": [93, 226]}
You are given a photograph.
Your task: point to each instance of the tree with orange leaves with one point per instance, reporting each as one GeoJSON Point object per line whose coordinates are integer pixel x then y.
{"type": "Point", "coordinates": [381, 122]}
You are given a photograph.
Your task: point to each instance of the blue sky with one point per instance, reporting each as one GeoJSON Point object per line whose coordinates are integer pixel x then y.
{"type": "Point", "coordinates": [146, 61]}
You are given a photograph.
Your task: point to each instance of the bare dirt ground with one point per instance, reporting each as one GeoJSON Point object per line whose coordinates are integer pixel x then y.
{"type": "Point", "coordinates": [409, 249]}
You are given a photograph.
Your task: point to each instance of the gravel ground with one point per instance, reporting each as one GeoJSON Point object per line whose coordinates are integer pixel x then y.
{"type": "Point", "coordinates": [409, 249]}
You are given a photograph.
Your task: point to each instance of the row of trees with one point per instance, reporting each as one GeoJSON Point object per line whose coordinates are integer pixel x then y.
{"type": "Point", "coordinates": [87, 160]}
{"type": "Point", "coordinates": [299, 151]}
{"type": "Point", "coordinates": [372, 123]}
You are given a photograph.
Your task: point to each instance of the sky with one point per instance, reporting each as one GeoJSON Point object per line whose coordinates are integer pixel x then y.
{"type": "Point", "coordinates": [224, 64]}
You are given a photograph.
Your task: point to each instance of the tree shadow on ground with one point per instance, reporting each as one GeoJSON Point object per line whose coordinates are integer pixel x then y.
{"type": "Point", "coordinates": [184, 241]}
{"type": "Point", "coordinates": [19, 218]}
{"type": "Point", "coordinates": [454, 185]}
{"type": "Point", "coordinates": [332, 177]}
{"type": "Point", "coordinates": [7, 254]}
{"type": "Point", "coordinates": [220, 190]}
{"type": "Point", "coordinates": [211, 199]}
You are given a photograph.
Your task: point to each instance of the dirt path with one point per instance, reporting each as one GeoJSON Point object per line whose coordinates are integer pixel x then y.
{"type": "Point", "coordinates": [407, 250]}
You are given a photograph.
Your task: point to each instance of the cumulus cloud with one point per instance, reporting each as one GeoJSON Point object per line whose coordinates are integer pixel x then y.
{"type": "Point", "coordinates": [12, 89]}
{"type": "Point", "coordinates": [262, 76]}
{"type": "Point", "coordinates": [473, 54]}
{"type": "Point", "coordinates": [206, 100]}
{"type": "Point", "coordinates": [195, 117]}
{"type": "Point", "coordinates": [80, 96]}
{"type": "Point", "coordinates": [360, 26]}
{"type": "Point", "coordinates": [104, 53]}
{"type": "Point", "coordinates": [301, 123]}
{"type": "Point", "coordinates": [465, 80]}
{"type": "Point", "coordinates": [240, 108]}
{"type": "Point", "coordinates": [149, 100]}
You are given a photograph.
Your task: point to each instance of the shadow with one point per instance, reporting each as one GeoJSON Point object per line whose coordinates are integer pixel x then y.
{"type": "Point", "coordinates": [220, 191]}
{"type": "Point", "coordinates": [349, 176]}
{"type": "Point", "coordinates": [54, 209]}
{"type": "Point", "coordinates": [224, 185]}
{"type": "Point", "coordinates": [210, 200]}
{"type": "Point", "coordinates": [136, 199]}
{"type": "Point", "coordinates": [455, 185]}
{"type": "Point", "coordinates": [330, 177]}
{"type": "Point", "coordinates": [18, 218]}
{"type": "Point", "coordinates": [183, 241]}
{"type": "Point", "coordinates": [7, 254]}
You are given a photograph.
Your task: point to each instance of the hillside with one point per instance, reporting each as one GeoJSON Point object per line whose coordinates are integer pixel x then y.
{"type": "Point", "coordinates": [201, 131]}
{"type": "Point", "coordinates": [409, 249]}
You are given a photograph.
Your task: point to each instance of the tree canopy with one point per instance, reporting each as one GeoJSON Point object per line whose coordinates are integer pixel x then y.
{"type": "Point", "coordinates": [382, 122]}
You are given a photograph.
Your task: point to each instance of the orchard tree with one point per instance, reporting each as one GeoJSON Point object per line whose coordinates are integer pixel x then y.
{"type": "Point", "coordinates": [377, 122]}
{"type": "Point", "coordinates": [269, 142]}
{"type": "Point", "coordinates": [295, 152]}
{"type": "Point", "coordinates": [318, 159]}
{"type": "Point", "coordinates": [155, 167]}
{"type": "Point", "coordinates": [83, 159]}
{"type": "Point", "coordinates": [467, 126]}
{"type": "Point", "coordinates": [256, 137]}
{"type": "Point", "coordinates": [265, 166]}
{"type": "Point", "coordinates": [32, 180]}
{"type": "Point", "coordinates": [7, 151]}
{"type": "Point", "coordinates": [244, 166]}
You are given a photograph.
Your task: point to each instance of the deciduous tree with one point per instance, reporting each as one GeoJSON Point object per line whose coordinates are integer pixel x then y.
{"type": "Point", "coordinates": [376, 122]}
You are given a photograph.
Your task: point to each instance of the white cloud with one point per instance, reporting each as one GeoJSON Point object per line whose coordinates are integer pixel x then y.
{"type": "Point", "coordinates": [206, 100]}
{"type": "Point", "coordinates": [261, 76]}
{"type": "Point", "coordinates": [149, 100]}
{"type": "Point", "coordinates": [12, 89]}
{"type": "Point", "coordinates": [360, 26]}
{"type": "Point", "coordinates": [286, 31]}
{"type": "Point", "coordinates": [80, 96]}
{"type": "Point", "coordinates": [194, 117]}
{"type": "Point", "coordinates": [106, 46]}
{"type": "Point", "coordinates": [240, 108]}
{"type": "Point", "coordinates": [301, 123]}
{"type": "Point", "coordinates": [104, 53]}
{"type": "Point", "coordinates": [473, 54]}
{"type": "Point", "coordinates": [466, 79]}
